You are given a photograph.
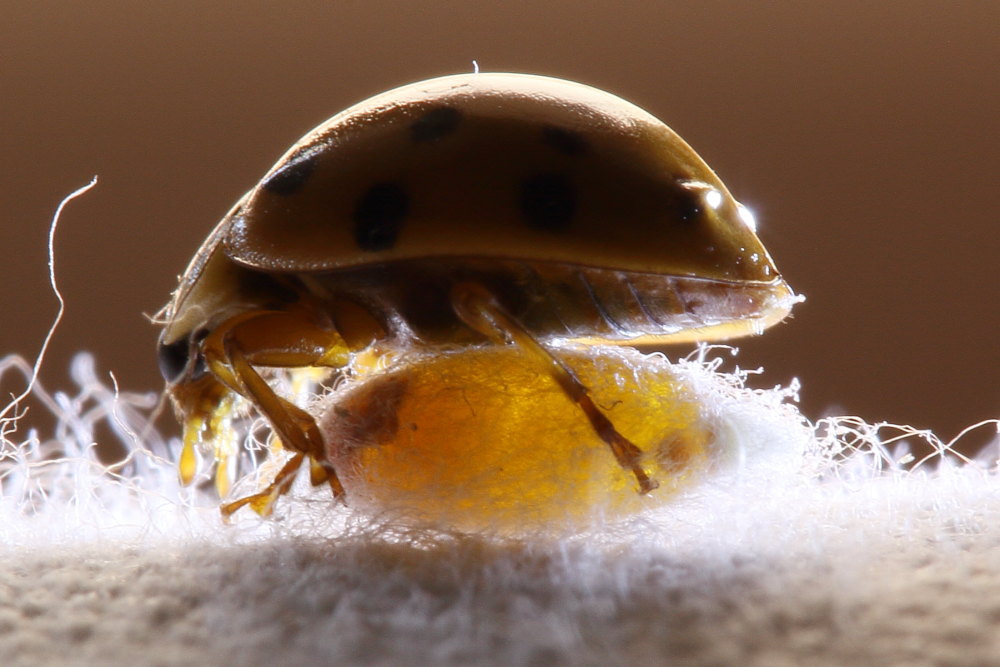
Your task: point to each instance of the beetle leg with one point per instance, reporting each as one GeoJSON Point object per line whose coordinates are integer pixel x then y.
{"type": "Point", "coordinates": [277, 339]}
{"type": "Point", "coordinates": [263, 501]}
{"type": "Point", "coordinates": [479, 309]}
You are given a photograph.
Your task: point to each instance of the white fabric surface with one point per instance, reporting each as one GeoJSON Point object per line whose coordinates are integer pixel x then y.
{"type": "Point", "coordinates": [887, 574]}
{"type": "Point", "coordinates": [770, 566]}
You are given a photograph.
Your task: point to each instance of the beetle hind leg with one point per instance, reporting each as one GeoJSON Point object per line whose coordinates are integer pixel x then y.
{"type": "Point", "coordinates": [478, 308]}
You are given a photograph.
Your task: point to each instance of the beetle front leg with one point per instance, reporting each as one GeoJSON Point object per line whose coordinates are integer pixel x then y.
{"type": "Point", "coordinates": [263, 501]}
{"type": "Point", "coordinates": [479, 309]}
{"type": "Point", "coordinates": [277, 339]}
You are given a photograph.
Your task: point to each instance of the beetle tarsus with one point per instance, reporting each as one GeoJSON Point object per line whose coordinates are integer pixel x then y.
{"type": "Point", "coordinates": [263, 502]}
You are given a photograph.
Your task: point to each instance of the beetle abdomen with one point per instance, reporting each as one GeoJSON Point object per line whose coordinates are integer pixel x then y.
{"type": "Point", "coordinates": [560, 301]}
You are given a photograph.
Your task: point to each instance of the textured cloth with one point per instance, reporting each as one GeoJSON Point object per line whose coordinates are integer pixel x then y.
{"type": "Point", "coordinates": [888, 572]}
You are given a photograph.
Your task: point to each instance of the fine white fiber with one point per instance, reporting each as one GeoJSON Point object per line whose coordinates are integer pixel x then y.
{"type": "Point", "coordinates": [820, 543]}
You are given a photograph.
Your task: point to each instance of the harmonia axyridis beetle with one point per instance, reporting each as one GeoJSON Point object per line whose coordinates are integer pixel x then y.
{"type": "Point", "coordinates": [468, 210]}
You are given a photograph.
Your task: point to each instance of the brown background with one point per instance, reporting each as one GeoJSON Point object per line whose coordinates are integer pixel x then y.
{"type": "Point", "coordinates": [863, 135]}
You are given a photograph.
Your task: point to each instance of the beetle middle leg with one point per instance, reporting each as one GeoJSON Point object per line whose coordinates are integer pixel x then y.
{"type": "Point", "coordinates": [478, 308]}
{"type": "Point", "coordinates": [277, 339]}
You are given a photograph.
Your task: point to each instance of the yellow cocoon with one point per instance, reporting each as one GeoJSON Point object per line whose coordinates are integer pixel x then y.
{"type": "Point", "coordinates": [483, 439]}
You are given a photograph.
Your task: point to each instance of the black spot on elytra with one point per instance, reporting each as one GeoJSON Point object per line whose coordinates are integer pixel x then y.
{"type": "Point", "coordinates": [565, 141]}
{"type": "Point", "coordinates": [548, 201]}
{"type": "Point", "coordinates": [689, 205]}
{"type": "Point", "coordinates": [378, 216]}
{"type": "Point", "coordinates": [435, 124]}
{"type": "Point", "coordinates": [291, 176]}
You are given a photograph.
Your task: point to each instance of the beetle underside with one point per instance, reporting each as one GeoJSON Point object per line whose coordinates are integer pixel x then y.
{"type": "Point", "coordinates": [562, 301]}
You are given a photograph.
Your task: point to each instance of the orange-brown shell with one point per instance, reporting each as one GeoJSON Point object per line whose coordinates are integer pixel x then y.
{"type": "Point", "coordinates": [498, 170]}
{"type": "Point", "coordinates": [496, 165]}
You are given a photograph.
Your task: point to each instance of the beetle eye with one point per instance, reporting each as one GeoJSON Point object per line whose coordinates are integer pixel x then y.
{"type": "Point", "coordinates": [173, 359]}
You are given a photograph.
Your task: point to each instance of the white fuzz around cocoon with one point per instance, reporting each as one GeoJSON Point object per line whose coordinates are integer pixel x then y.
{"type": "Point", "coordinates": [812, 544]}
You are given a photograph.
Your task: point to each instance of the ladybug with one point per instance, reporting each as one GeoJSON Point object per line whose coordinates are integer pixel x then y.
{"type": "Point", "coordinates": [467, 210]}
